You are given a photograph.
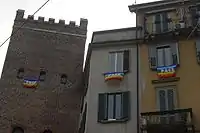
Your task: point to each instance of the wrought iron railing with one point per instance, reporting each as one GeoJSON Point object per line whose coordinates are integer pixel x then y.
{"type": "Point", "coordinates": [179, 116]}
{"type": "Point", "coordinates": [173, 121]}
{"type": "Point", "coordinates": [163, 27]}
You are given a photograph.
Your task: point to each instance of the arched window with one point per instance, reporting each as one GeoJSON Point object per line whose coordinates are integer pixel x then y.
{"type": "Point", "coordinates": [20, 73]}
{"type": "Point", "coordinates": [63, 79]}
{"type": "Point", "coordinates": [42, 76]}
{"type": "Point", "coordinates": [47, 131]}
{"type": "Point", "coordinates": [18, 130]}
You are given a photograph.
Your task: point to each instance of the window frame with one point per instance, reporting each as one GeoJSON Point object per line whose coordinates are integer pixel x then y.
{"type": "Point", "coordinates": [125, 116]}
{"type": "Point", "coordinates": [161, 22]}
{"type": "Point", "coordinates": [117, 56]}
{"type": "Point", "coordinates": [114, 106]}
{"type": "Point", "coordinates": [166, 88]}
{"type": "Point", "coordinates": [163, 47]}
{"type": "Point", "coordinates": [20, 73]}
{"type": "Point", "coordinates": [42, 76]}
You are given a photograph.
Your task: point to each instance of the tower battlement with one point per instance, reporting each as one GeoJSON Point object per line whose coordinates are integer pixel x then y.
{"type": "Point", "coordinates": [42, 24]}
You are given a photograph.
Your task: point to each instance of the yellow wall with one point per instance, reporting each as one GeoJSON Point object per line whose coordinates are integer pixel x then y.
{"type": "Point", "coordinates": [188, 88]}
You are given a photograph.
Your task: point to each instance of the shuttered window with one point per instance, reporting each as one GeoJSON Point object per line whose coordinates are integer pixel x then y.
{"type": "Point", "coordinates": [163, 56]}
{"type": "Point", "coordinates": [113, 107]}
{"type": "Point", "coordinates": [166, 99]}
{"type": "Point", "coordinates": [161, 22]}
{"type": "Point", "coordinates": [119, 61]}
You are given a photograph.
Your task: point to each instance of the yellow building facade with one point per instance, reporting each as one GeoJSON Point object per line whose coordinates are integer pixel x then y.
{"type": "Point", "coordinates": [169, 65]}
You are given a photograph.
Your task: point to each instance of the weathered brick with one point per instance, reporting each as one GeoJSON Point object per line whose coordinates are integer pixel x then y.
{"type": "Point", "coordinates": [52, 105]}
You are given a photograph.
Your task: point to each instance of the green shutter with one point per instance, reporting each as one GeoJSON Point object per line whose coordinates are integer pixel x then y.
{"type": "Point", "coordinates": [165, 22]}
{"type": "Point", "coordinates": [198, 50]}
{"type": "Point", "coordinates": [152, 57]}
{"type": "Point", "coordinates": [126, 61]}
{"type": "Point", "coordinates": [158, 23]}
{"type": "Point", "coordinates": [126, 105]}
{"type": "Point", "coordinates": [175, 53]}
{"type": "Point", "coordinates": [102, 107]}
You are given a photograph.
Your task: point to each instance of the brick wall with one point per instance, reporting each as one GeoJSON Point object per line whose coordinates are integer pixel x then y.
{"type": "Point", "coordinates": [56, 48]}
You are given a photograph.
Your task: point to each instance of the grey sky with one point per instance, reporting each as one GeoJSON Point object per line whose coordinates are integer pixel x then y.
{"type": "Point", "coordinates": [101, 14]}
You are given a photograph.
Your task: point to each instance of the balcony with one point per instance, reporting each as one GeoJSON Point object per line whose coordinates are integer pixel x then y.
{"type": "Point", "coordinates": [164, 27]}
{"type": "Point", "coordinates": [174, 121]}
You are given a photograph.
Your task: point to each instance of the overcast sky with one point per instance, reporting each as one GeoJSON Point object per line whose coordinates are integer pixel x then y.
{"type": "Point", "coordinates": [101, 14]}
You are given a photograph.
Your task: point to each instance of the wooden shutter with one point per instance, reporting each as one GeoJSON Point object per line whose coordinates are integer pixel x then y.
{"type": "Point", "coordinates": [102, 113]}
{"type": "Point", "coordinates": [170, 99]}
{"type": "Point", "coordinates": [152, 57]}
{"type": "Point", "coordinates": [175, 53]}
{"type": "Point", "coordinates": [126, 105]}
{"type": "Point", "coordinates": [126, 61]}
{"type": "Point", "coordinates": [198, 50]}
{"type": "Point", "coordinates": [162, 100]}
{"type": "Point", "coordinates": [164, 22]}
{"type": "Point", "coordinates": [157, 23]}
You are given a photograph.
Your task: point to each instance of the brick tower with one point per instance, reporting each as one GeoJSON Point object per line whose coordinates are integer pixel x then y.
{"type": "Point", "coordinates": [41, 84]}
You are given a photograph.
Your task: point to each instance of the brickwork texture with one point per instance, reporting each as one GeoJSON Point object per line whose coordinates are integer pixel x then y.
{"type": "Point", "coordinates": [56, 48]}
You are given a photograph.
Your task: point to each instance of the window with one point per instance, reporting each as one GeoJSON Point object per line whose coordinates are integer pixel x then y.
{"type": "Point", "coordinates": [166, 98]}
{"type": "Point", "coordinates": [20, 73]}
{"type": "Point", "coordinates": [48, 131]}
{"type": "Point", "coordinates": [42, 76]}
{"type": "Point", "coordinates": [164, 56]}
{"type": "Point", "coordinates": [18, 130]}
{"type": "Point", "coordinates": [119, 61]}
{"type": "Point", "coordinates": [161, 22]}
{"type": "Point", "coordinates": [63, 79]}
{"type": "Point", "coordinates": [113, 107]}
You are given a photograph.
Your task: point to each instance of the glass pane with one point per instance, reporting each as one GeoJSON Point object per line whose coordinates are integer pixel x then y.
{"type": "Point", "coordinates": [119, 62]}
{"type": "Point", "coordinates": [162, 100]}
{"type": "Point", "coordinates": [168, 56]}
{"type": "Point", "coordinates": [170, 96]}
{"type": "Point", "coordinates": [110, 106]}
{"type": "Point", "coordinates": [118, 106]}
{"type": "Point", "coordinates": [112, 62]}
{"type": "Point", "coordinates": [160, 57]}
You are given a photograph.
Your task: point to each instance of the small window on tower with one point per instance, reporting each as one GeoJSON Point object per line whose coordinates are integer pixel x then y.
{"type": "Point", "coordinates": [63, 79]}
{"type": "Point", "coordinates": [42, 76]}
{"type": "Point", "coordinates": [20, 73]}
{"type": "Point", "coordinates": [18, 130]}
{"type": "Point", "coordinates": [48, 131]}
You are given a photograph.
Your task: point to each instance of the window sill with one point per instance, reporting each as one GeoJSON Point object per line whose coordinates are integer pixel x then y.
{"type": "Point", "coordinates": [113, 121]}
{"type": "Point", "coordinates": [173, 79]}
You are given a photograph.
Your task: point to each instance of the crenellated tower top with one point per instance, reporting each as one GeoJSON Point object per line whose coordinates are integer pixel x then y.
{"type": "Point", "coordinates": [50, 24]}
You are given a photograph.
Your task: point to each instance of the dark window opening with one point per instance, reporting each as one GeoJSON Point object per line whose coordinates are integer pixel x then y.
{"type": "Point", "coordinates": [48, 131]}
{"type": "Point", "coordinates": [18, 130]}
{"type": "Point", "coordinates": [63, 79]}
{"type": "Point", "coordinates": [20, 73]}
{"type": "Point", "coordinates": [42, 76]}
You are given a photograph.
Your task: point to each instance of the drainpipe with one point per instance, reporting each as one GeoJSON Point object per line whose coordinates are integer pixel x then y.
{"type": "Point", "coordinates": [137, 78]}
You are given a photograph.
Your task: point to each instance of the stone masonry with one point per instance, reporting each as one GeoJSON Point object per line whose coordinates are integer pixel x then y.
{"type": "Point", "coordinates": [57, 49]}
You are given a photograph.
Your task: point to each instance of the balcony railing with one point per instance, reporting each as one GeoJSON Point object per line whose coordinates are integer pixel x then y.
{"type": "Point", "coordinates": [163, 27]}
{"type": "Point", "coordinates": [165, 120]}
